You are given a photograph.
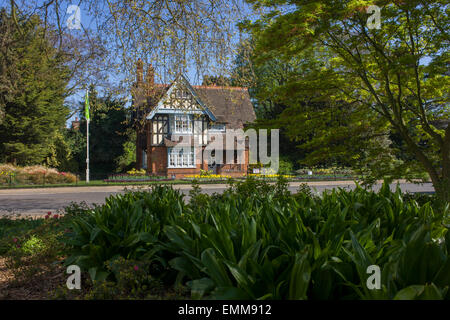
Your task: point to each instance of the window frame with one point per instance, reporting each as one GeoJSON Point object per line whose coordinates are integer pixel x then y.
{"type": "Point", "coordinates": [174, 158]}
{"type": "Point", "coordinates": [186, 126]}
{"type": "Point", "coordinates": [182, 94]}
{"type": "Point", "coordinates": [159, 129]}
{"type": "Point", "coordinates": [222, 129]}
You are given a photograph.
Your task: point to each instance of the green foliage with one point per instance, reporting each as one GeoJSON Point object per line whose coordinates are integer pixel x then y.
{"type": "Point", "coordinates": [197, 198]}
{"type": "Point", "coordinates": [285, 167]}
{"type": "Point", "coordinates": [353, 89]}
{"type": "Point", "coordinates": [12, 227]}
{"type": "Point", "coordinates": [263, 81]}
{"type": "Point", "coordinates": [216, 80]}
{"type": "Point", "coordinates": [33, 245]}
{"type": "Point", "coordinates": [133, 281]}
{"type": "Point", "coordinates": [127, 160]}
{"type": "Point", "coordinates": [128, 225]}
{"type": "Point", "coordinates": [34, 106]}
{"type": "Point", "coordinates": [76, 143]}
{"type": "Point", "coordinates": [108, 135]}
{"type": "Point", "coordinates": [256, 241]}
{"type": "Point", "coordinates": [60, 154]}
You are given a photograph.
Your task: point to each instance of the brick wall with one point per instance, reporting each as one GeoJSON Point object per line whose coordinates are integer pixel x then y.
{"type": "Point", "coordinates": [157, 160]}
{"type": "Point", "coordinates": [157, 164]}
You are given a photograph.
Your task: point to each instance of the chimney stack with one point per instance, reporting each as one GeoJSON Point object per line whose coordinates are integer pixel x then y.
{"type": "Point", "coordinates": [150, 79]}
{"type": "Point", "coordinates": [139, 72]}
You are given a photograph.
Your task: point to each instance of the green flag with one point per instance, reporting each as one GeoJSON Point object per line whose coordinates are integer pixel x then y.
{"type": "Point", "coordinates": [86, 106]}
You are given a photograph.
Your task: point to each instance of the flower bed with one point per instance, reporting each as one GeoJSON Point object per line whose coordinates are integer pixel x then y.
{"type": "Point", "coordinates": [324, 177]}
{"type": "Point", "coordinates": [13, 175]}
{"type": "Point", "coordinates": [269, 176]}
{"type": "Point", "coordinates": [332, 171]}
{"type": "Point", "coordinates": [134, 178]}
{"type": "Point", "coordinates": [207, 177]}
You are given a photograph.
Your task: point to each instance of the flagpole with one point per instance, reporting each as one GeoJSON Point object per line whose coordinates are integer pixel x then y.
{"type": "Point", "coordinates": [87, 152]}
{"type": "Point", "coordinates": [87, 137]}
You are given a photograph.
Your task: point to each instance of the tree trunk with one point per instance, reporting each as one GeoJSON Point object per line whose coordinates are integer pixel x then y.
{"type": "Point", "coordinates": [440, 177]}
{"type": "Point", "coordinates": [442, 188]}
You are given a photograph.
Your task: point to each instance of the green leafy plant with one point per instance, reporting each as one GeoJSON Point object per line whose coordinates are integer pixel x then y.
{"type": "Point", "coordinates": [33, 245]}
{"type": "Point", "coordinates": [128, 226]}
{"type": "Point", "coordinates": [257, 241]}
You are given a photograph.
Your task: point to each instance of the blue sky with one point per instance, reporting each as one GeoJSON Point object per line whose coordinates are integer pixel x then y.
{"type": "Point", "coordinates": [88, 21]}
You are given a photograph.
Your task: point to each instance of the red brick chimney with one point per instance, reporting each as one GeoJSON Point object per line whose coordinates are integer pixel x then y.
{"type": "Point", "coordinates": [150, 79]}
{"type": "Point", "coordinates": [139, 72]}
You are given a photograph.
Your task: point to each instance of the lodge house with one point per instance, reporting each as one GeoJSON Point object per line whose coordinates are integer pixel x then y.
{"type": "Point", "coordinates": [178, 122]}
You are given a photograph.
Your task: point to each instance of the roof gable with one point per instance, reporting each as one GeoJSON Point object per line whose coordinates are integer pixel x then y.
{"type": "Point", "coordinates": [189, 102]}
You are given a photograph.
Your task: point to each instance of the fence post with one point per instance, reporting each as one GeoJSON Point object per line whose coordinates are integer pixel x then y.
{"type": "Point", "coordinates": [43, 178]}
{"type": "Point", "coordinates": [10, 179]}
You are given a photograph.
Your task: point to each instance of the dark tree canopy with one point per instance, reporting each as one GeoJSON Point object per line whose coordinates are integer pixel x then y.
{"type": "Point", "coordinates": [33, 80]}
{"type": "Point", "coordinates": [108, 134]}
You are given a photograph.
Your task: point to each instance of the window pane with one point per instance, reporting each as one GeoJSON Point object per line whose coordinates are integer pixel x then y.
{"type": "Point", "coordinates": [179, 159]}
{"type": "Point", "coordinates": [183, 124]}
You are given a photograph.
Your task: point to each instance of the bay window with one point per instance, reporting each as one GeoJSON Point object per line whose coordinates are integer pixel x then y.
{"type": "Point", "coordinates": [181, 157]}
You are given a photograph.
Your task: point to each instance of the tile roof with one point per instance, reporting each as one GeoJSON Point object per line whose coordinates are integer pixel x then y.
{"type": "Point", "coordinates": [230, 105]}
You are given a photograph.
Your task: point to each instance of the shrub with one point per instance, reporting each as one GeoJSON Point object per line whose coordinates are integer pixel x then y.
{"type": "Point", "coordinates": [33, 175]}
{"type": "Point", "coordinates": [256, 241]}
{"type": "Point", "coordinates": [330, 171]}
{"type": "Point", "coordinates": [285, 167]}
{"type": "Point", "coordinates": [263, 248]}
{"type": "Point", "coordinates": [33, 245]}
{"type": "Point", "coordinates": [128, 225]}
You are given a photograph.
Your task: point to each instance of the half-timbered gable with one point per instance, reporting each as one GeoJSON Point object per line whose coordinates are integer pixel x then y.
{"type": "Point", "coordinates": [181, 112]}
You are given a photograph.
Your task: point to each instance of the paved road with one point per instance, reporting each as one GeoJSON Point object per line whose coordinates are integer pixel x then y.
{"type": "Point", "coordinates": [40, 201]}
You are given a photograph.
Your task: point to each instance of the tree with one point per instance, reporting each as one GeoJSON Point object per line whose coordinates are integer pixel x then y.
{"type": "Point", "coordinates": [314, 131]}
{"type": "Point", "coordinates": [34, 76]}
{"type": "Point", "coordinates": [127, 160]}
{"type": "Point", "coordinates": [397, 71]}
{"type": "Point", "coordinates": [173, 35]}
{"type": "Point", "coordinates": [262, 81]}
{"type": "Point", "coordinates": [216, 81]}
